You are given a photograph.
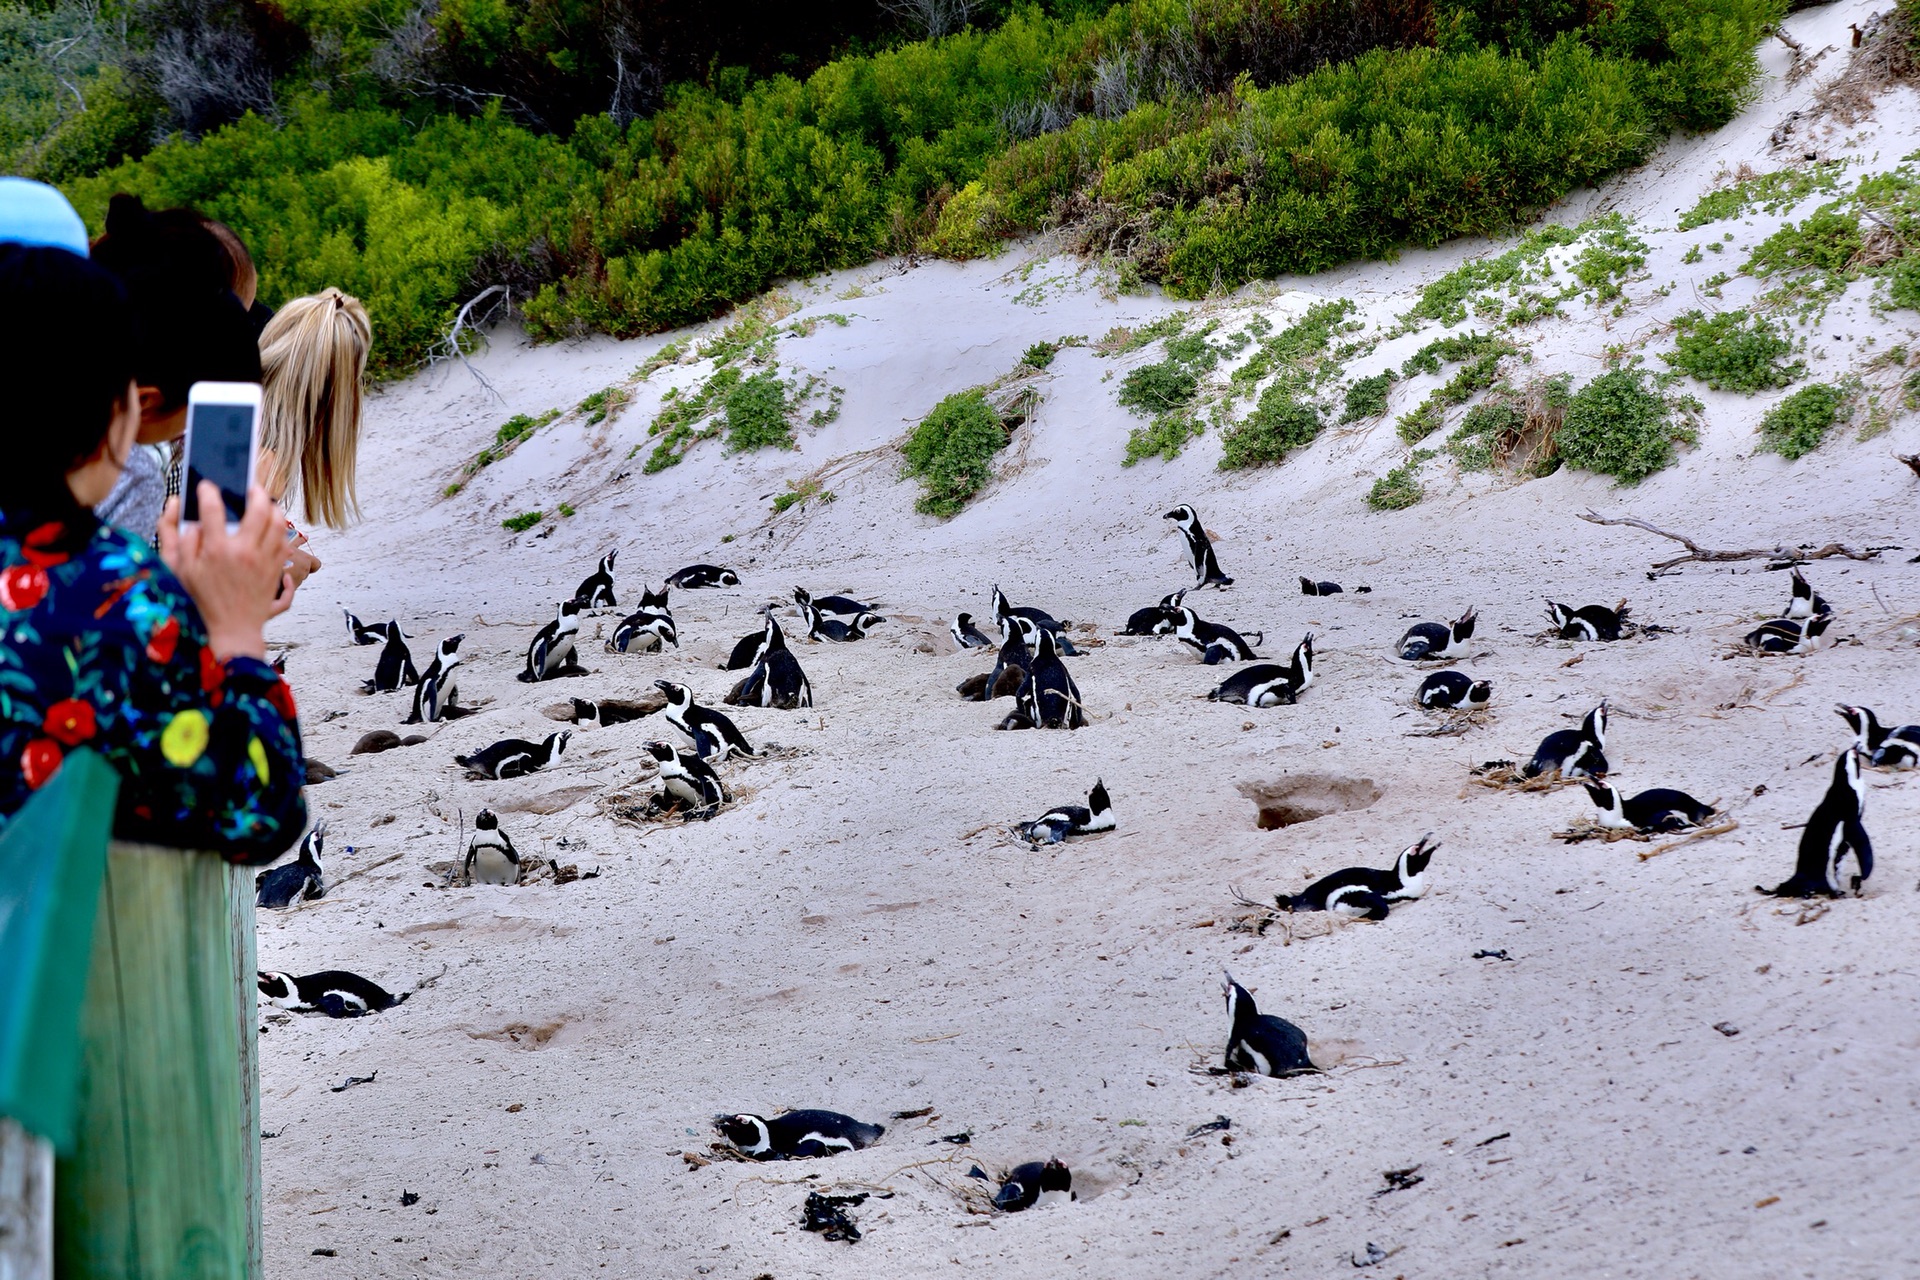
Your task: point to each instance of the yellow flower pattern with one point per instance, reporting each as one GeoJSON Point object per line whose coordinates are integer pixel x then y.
{"type": "Point", "coordinates": [185, 738]}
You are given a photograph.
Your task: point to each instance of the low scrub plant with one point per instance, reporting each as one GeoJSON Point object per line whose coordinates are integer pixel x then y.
{"type": "Point", "coordinates": [1733, 351]}
{"type": "Point", "coordinates": [1796, 426]}
{"type": "Point", "coordinates": [1623, 424]}
{"type": "Point", "coordinates": [951, 451]}
{"type": "Point", "coordinates": [1367, 397]}
{"type": "Point", "coordinates": [522, 522]}
{"type": "Point", "coordinates": [1400, 488]}
{"type": "Point", "coordinates": [1279, 424]}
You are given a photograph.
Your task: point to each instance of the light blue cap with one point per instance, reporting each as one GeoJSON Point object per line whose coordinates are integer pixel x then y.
{"type": "Point", "coordinates": [33, 213]}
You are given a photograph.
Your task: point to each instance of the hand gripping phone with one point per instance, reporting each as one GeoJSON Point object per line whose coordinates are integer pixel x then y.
{"type": "Point", "coordinates": [223, 445]}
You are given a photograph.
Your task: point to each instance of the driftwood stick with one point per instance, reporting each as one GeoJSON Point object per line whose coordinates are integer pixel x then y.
{"type": "Point", "coordinates": [1696, 552]}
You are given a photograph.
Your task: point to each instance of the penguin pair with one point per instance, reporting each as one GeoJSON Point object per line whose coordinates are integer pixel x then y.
{"type": "Point", "coordinates": [1268, 684]}
{"type": "Point", "coordinates": [1206, 566]}
{"type": "Point", "coordinates": [1260, 1042]}
{"type": "Point", "coordinates": [1836, 829]}
{"type": "Point", "coordinates": [1365, 893]}
{"type": "Point", "coordinates": [515, 757]}
{"type": "Point", "coordinates": [1444, 690]}
{"type": "Point", "coordinates": [697, 577]}
{"type": "Point", "coordinates": [1036, 1184]}
{"type": "Point", "coordinates": [491, 857]}
{"type": "Point", "coordinates": [835, 618]}
{"type": "Point", "coordinates": [648, 629]}
{"type": "Point", "coordinates": [553, 652]}
{"type": "Point", "coordinates": [687, 782]}
{"type": "Point", "coordinates": [1883, 748]}
{"type": "Point", "coordinates": [714, 736]}
{"type": "Point", "coordinates": [596, 590]}
{"type": "Point", "coordinates": [1427, 641]}
{"type": "Point", "coordinates": [1057, 823]}
{"type": "Point", "coordinates": [1784, 635]}
{"type": "Point", "coordinates": [1213, 641]}
{"type": "Point", "coordinates": [1589, 622]}
{"type": "Point", "coordinates": [394, 670]}
{"type": "Point", "coordinates": [1573, 753]}
{"type": "Point", "coordinates": [1156, 620]}
{"type": "Point", "coordinates": [437, 692]}
{"type": "Point", "coordinates": [1655, 810]}
{"type": "Point", "coordinates": [1048, 697]}
{"type": "Point", "coordinates": [334, 992]}
{"type": "Point", "coordinates": [776, 679]}
{"type": "Point", "coordinates": [1004, 609]}
{"type": "Point", "coordinates": [301, 880]}
{"type": "Point", "coordinates": [796, 1135]}
{"type": "Point", "coordinates": [363, 633]}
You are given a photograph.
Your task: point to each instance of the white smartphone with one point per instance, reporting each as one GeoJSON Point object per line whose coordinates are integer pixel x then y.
{"type": "Point", "coordinates": [223, 445]}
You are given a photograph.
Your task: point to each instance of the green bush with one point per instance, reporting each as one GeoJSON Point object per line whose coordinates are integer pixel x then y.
{"type": "Point", "coordinates": [1279, 424]}
{"type": "Point", "coordinates": [1770, 192]}
{"type": "Point", "coordinates": [1400, 488]}
{"type": "Point", "coordinates": [1155, 389]}
{"type": "Point", "coordinates": [1619, 425]}
{"type": "Point", "coordinates": [1040, 355]}
{"type": "Point", "coordinates": [1472, 442]}
{"type": "Point", "coordinates": [1825, 241]}
{"type": "Point", "coordinates": [1422, 421]}
{"type": "Point", "coordinates": [755, 412]}
{"type": "Point", "coordinates": [1733, 351]}
{"type": "Point", "coordinates": [1163, 438]}
{"type": "Point", "coordinates": [951, 451]}
{"type": "Point", "coordinates": [522, 522]}
{"type": "Point", "coordinates": [1796, 426]}
{"type": "Point", "coordinates": [1367, 397]}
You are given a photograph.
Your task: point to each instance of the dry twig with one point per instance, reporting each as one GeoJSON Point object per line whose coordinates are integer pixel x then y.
{"type": "Point", "coordinates": [1696, 552]}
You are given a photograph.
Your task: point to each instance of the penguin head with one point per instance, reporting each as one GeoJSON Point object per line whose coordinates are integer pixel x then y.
{"type": "Point", "coordinates": [556, 745]}
{"type": "Point", "coordinates": [276, 986]}
{"type": "Point", "coordinates": [1043, 642]}
{"type": "Point", "coordinates": [1182, 514]}
{"type": "Point", "coordinates": [747, 1132]}
{"type": "Point", "coordinates": [1862, 721]}
{"type": "Point", "coordinates": [1172, 602]}
{"type": "Point", "coordinates": [962, 621]}
{"type": "Point", "coordinates": [1605, 798]}
{"type": "Point", "coordinates": [1098, 801]}
{"type": "Point", "coordinates": [1480, 692]}
{"type": "Point", "coordinates": [728, 578]}
{"type": "Point", "coordinates": [606, 561]}
{"type": "Point", "coordinates": [1463, 626]}
{"type": "Point", "coordinates": [1415, 857]}
{"type": "Point", "coordinates": [585, 712]}
{"type": "Point", "coordinates": [655, 599]}
{"type": "Point", "coordinates": [803, 598]}
{"type": "Point", "coordinates": [1817, 626]}
{"type": "Point", "coordinates": [660, 751]}
{"type": "Point", "coordinates": [451, 645]}
{"type": "Point", "coordinates": [1595, 725]}
{"type": "Point", "coordinates": [485, 820]}
{"type": "Point", "coordinates": [1558, 614]}
{"type": "Point", "coordinates": [569, 609]}
{"type": "Point", "coordinates": [1055, 1176]}
{"type": "Point", "coordinates": [1802, 589]}
{"type": "Point", "coordinates": [678, 695]}
{"type": "Point", "coordinates": [313, 843]}
{"type": "Point", "coordinates": [1240, 1006]}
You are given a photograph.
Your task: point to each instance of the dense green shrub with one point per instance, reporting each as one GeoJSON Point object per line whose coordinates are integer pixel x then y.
{"type": "Point", "coordinates": [951, 451]}
{"type": "Point", "coordinates": [1622, 426]}
{"type": "Point", "coordinates": [1455, 348]}
{"type": "Point", "coordinates": [755, 411]}
{"type": "Point", "coordinates": [1796, 426]}
{"type": "Point", "coordinates": [1040, 355]}
{"type": "Point", "coordinates": [1769, 192]}
{"type": "Point", "coordinates": [1279, 424]}
{"type": "Point", "coordinates": [1473, 442]}
{"type": "Point", "coordinates": [1732, 351]}
{"type": "Point", "coordinates": [1163, 438]}
{"type": "Point", "coordinates": [1400, 488]}
{"type": "Point", "coordinates": [1154, 389]}
{"type": "Point", "coordinates": [522, 522]}
{"type": "Point", "coordinates": [1825, 241]}
{"type": "Point", "coordinates": [1367, 397]}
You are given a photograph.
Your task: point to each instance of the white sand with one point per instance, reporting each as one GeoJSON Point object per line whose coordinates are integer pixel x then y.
{"type": "Point", "coordinates": [857, 934]}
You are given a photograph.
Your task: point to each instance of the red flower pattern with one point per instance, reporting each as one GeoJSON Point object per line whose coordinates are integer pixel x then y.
{"type": "Point", "coordinates": [22, 587]}
{"type": "Point", "coordinates": [71, 722]}
{"type": "Point", "coordinates": [40, 761]}
{"type": "Point", "coordinates": [161, 643]}
{"type": "Point", "coordinates": [281, 696]}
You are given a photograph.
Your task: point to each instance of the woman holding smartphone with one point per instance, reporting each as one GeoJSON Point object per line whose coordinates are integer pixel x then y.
{"type": "Point", "coordinates": [155, 661]}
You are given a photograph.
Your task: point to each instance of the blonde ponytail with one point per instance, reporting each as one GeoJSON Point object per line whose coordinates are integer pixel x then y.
{"type": "Point", "coordinates": [313, 360]}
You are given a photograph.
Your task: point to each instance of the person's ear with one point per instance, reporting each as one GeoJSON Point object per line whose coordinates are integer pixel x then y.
{"type": "Point", "coordinates": [151, 401]}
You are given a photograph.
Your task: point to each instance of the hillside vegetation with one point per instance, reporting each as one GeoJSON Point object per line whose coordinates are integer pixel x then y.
{"type": "Point", "coordinates": [627, 168]}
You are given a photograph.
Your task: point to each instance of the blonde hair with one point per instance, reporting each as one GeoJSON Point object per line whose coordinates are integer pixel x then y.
{"type": "Point", "coordinates": [313, 359]}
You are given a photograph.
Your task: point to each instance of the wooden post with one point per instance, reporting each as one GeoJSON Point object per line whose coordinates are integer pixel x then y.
{"type": "Point", "coordinates": [164, 1178]}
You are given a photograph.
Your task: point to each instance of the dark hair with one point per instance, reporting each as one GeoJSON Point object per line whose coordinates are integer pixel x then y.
{"type": "Point", "coordinates": [67, 341]}
{"type": "Point", "coordinates": [177, 272]}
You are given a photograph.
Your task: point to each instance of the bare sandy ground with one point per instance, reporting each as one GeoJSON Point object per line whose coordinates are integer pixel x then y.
{"type": "Point", "coordinates": [1666, 1075]}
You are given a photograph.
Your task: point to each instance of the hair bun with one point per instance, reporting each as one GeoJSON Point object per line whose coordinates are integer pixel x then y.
{"type": "Point", "coordinates": [126, 215]}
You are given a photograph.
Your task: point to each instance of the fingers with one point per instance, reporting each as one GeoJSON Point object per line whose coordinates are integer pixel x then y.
{"type": "Point", "coordinates": [169, 532]}
{"type": "Point", "coordinates": [284, 601]}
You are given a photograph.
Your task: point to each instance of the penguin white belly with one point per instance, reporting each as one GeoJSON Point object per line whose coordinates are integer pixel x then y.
{"type": "Point", "coordinates": [1048, 1198]}
{"type": "Point", "coordinates": [492, 866]}
{"type": "Point", "coordinates": [682, 788]}
{"type": "Point", "coordinates": [822, 1140]}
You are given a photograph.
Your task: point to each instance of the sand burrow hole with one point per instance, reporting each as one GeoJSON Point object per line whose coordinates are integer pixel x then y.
{"type": "Point", "coordinates": [1302, 797]}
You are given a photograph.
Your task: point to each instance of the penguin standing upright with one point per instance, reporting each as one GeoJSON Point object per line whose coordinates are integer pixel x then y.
{"type": "Point", "coordinates": [1055, 697]}
{"type": "Point", "coordinates": [1883, 747]}
{"type": "Point", "coordinates": [1061, 821]}
{"type": "Point", "coordinates": [334, 992]}
{"type": "Point", "coordinates": [596, 590]}
{"type": "Point", "coordinates": [776, 679]}
{"type": "Point", "coordinates": [1365, 892]}
{"type": "Point", "coordinates": [1260, 1042]}
{"type": "Point", "coordinates": [363, 633]}
{"type": "Point", "coordinates": [1206, 568]}
{"type": "Point", "coordinates": [1014, 655]}
{"type": "Point", "coordinates": [435, 695]}
{"type": "Point", "coordinates": [1573, 753]}
{"type": "Point", "coordinates": [687, 781]}
{"type": "Point", "coordinates": [1836, 829]}
{"type": "Point", "coordinates": [491, 857]}
{"type": "Point", "coordinates": [300, 880]}
{"type": "Point", "coordinates": [712, 732]}
{"type": "Point", "coordinates": [1425, 641]}
{"type": "Point", "coordinates": [395, 668]}
{"type": "Point", "coordinates": [552, 651]}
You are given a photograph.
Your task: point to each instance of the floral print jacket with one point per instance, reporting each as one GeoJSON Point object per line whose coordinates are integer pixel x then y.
{"type": "Point", "coordinates": [103, 648]}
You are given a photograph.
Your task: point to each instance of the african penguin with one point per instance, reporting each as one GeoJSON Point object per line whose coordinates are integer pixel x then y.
{"type": "Point", "coordinates": [1573, 753]}
{"type": "Point", "coordinates": [552, 651]}
{"type": "Point", "coordinates": [842, 606]}
{"type": "Point", "coordinates": [776, 679]}
{"type": "Point", "coordinates": [1364, 892]}
{"type": "Point", "coordinates": [1783, 635]}
{"type": "Point", "coordinates": [596, 590]}
{"type": "Point", "coordinates": [1061, 821]}
{"type": "Point", "coordinates": [491, 857]}
{"type": "Point", "coordinates": [300, 880]}
{"type": "Point", "coordinates": [697, 576]}
{"type": "Point", "coordinates": [1425, 641]}
{"type": "Point", "coordinates": [1660, 809]}
{"type": "Point", "coordinates": [1589, 622]}
{"type": "Point", "coordinates": [966, 635]}
{"type": "Point", "coordinates": [1015, 655]}
{"type": "Point", "coordinates": [687, 781]}
{"type": "Point", "coordinates": [1214, 641]}
{"type": "Point", "coordinates": [796, 1135]}
{"type": "Point", "coordinates": [1264, 684]}
{"type": "Point", "coordinates": [645, 630]}
{"type": "Point", "coordinates": [1206, 567]}
{"type": "Point", "coordinates": [1004, 609]}
{"type": "Point", "coordinates": [746, 650]}
{"type": "Point", "coordinates": [1050, 687]}
{"type": "Point", "coordinates": [1259, 1042]}
{"type": "Point", "coordinates": [1034, 1184]}
{"type": "Point", "coordinates": [334, 992]}
{"type": "Point", "coordinates": [395, 668]}
{"type": "Point", "coordinates": [605, 711]}
{"type": "Point", "coordinates": [1836, 829]}
{"type": "Point", "coordinates": [1887, 748]}
{"type": "Point", "coordinates": [721, 736]}
{"type": "Point", "coordinates": [1805, 602]}
{"type": "Point", "coordinates": [361, 633]}
{"type": "Point", "coordinates": [515, 757]}
{"type": "Point", "coordinates": [434, 696]}
{"type": "Point", "coordinates": [1156, 620]}
{"type": "Point", "coordinates": [1446, 689]}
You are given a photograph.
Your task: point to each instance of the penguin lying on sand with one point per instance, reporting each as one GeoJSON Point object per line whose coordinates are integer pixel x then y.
{"type": "Point", "coordinates": [1259, 1042]}
{"type": "Point", "coordinates": [697, 576]}
{"type": "Point", "coordinates": [1805, 602]}
{"type": "Point", "coordinates": [1213, 641]}
{"type": "Point", "coordinates": [1004, 610]}
{"type": "Point", "coordinates": [1783, 635]}
{"type": "Point", "coordinates": [298, 881]}
{"type": "Point", "coordinates": [1061, 821]}
{"type": "Point", "coordinates": [796, 1135]}
{"type": "Point", "coordinates": [515, 757]}
{"type": "Point", "coordinates": [1836, 829]}
{"type": "Point", "coordinates": [974, 688]}
{"type": "Point", "coordinates": [1573, 753]}
{"type": "Point", "coordinates": [1364, 892]}
{"type": "Point", "coordinates": [596, 590]}
{"type": "Point", "coordinates": [1425, 641]}
{"type": "Point", "coordinates": [552, 652]}
{"type": "Point", "coordinates": [384, 740]}
{"type": "Point", "coordinates": [822, 625]}
{"type": "Point", "coordinates": [1446, 689]}
{"type": "Point", "coordinates": [1589, 622]}
{"type": "Point", "coordinates": [687, 783]}
{"type": "Point", "coordinates": [1156, 620]}
{"type": "Point", "coordinates": [605, 711]}
{"type": "Point", "coordinates": [648, 629]}
{"type": "Point", "coordinates": [839, 606]}
{"type": "Point", "coordinates": [491, 857]}
{"type": "Point", "coordinates": [438, 690]}
{"type": "Point", "coordinates": [1034, 1184]}
{"type": "Point", "coordinates": [1308, 587]}
{"type": "Point", "coordinates": [776, 679]}
{"type": "Point", "coordinates": [966, 635]}
{"type": "Point", "coordinates": [1267, 684]}
{"type": "Point", "coordinates": [712, 733]}
{"type": "Point", "coordinates": [1660, 809]}
{"type": "Point", "coordinates": [395, 667]}
{"type": "Point", "coordinates": [1206, 566]}
{"type": "Point", "coordinates": [334, 992]}
{"type": "Point", "coordinates": [1883, 747]}
{"type": "Point", "coordinates": [361, 633]}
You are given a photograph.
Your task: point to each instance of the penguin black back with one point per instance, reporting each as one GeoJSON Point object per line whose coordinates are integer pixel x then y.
{"type": "Point", "coordinates": [796, 1135]}
{"type": "Point", "coordinates": [334, 992]}
{"type": "Point", "coordinates": [696, 577]}
{"type": "Point", "coordinates": [1034, 1183]}
{"type": "Point", "coordinates": [395, 668]}
{"type": "Point", "coordinates": [596, 590]}
{"type": "Point", "coordinates": [1055, 696]}
{"type": "Point", "coordinates": [1836, 829]}
{"type": "Point", "coordinates": [1260, 1042]}
{"type": "Point", "coordinates": [1206, 566]}
{"type": "Point", "coordinates": [301, 880]}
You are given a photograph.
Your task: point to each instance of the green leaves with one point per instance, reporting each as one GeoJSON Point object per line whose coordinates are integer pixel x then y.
{"type": "Point", "coordinates": [951, 451]}
{"type": "Point", "coordinates": [1619, 425]}
{"type": "Point", "coordinates": [1733, 351]}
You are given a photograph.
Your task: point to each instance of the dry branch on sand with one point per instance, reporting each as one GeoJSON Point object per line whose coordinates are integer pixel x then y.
{"type": "Point", "coordinates": [1586, 829]}
{"type": "Point", "coordinates": [1782, 556]}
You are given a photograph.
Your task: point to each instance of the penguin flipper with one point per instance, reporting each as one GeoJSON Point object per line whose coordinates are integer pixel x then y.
{"type": "Point", "coordinates": [1856, 838]}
